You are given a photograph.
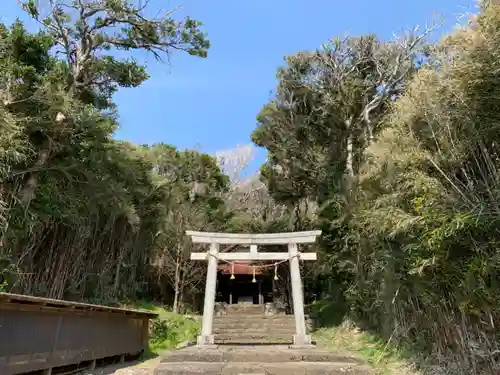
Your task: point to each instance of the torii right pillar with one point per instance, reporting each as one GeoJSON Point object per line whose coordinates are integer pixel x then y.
{"type": "Point", "coordinates": [301, 338]}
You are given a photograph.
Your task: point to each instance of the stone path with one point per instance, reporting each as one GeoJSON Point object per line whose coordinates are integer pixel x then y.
{"type": "Point", "coordinates": [256, 356]}
{"type": "Point", "coordinates": [239, 360]}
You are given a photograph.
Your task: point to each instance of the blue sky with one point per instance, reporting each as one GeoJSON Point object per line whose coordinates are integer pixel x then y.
{"type": "Point", "coordinates": [211, 104]}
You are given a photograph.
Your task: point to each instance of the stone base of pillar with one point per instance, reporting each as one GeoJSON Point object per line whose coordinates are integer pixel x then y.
{"type": "Point", "coordinates": [206, 341]}
{"type": "Point", "coordinates": [302, 342]}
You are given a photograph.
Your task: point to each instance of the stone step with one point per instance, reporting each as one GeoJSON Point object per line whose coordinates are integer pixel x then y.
{"type": "Point", "coordinates": [244, 324]}
{"type": "Point", "coordinates": [242, 336]}
{"type": "Point", "coordinates": [285, 340]}
{"type": "Point", "coordinates": [254, 338]}
{"type": "Point", "coordinates": [254, 368]}
{"type": "Point", "coordinates": [248, 353]}
{"type": "Point", "coordinates": [247, 324]}
{"type": "Point", "coordinates": [254, 318]}
{"type": "Point", "coordinates": [227, 324]}
{"type": "Point", "coordinates": [284, 317]}
{"type": "Point", "coordinates": [245, 307]}
{"type": "Point", "coordinates": [261, 329]}
{"type": "Point", "coordinates": [253, 329]}
{"type": "Point", "coordinates": [247, 313]}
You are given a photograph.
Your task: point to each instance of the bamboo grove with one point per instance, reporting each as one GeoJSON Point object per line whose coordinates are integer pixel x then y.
{"type": "Point", "coordinates": [84, 216]}
{"type": "Point", "coordinates": [397, 145]}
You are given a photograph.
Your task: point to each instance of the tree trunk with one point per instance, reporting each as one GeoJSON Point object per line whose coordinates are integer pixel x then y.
{"type": "Point", "coordinates": [349, 165]}
{"type": "Point", "coordinates": [117, 276]}
{"type": "Point", "coordinates": [27, 192]}
{"type": "Point", "coordinates": [175, 307]}
{"type": "Point", "coordinates": [182, 288]}
{"type": "Point", "coordinates": [119, 261]}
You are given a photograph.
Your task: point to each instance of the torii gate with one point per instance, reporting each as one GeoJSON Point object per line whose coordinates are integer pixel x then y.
{"type": "Point", "coordinates": [212, 256]}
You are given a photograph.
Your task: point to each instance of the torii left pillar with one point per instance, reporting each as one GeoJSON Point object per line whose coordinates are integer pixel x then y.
{"type": "Point", "coordinates": [206, 339]}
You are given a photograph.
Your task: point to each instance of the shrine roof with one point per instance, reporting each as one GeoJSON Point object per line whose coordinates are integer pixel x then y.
{"type": "Point", "coordinates": [240, 268]}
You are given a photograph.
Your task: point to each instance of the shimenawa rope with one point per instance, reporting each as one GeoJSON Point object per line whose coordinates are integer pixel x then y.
{"type": "Point", "coordinates": [253, 266]}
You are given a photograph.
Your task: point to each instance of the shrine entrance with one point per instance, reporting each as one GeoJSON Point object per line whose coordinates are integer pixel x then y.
{"type": "Point", "coordinates": [251, 286]}
{"type": "Point", "coordinates": [240, 290]}
{"type": "Point", "coordinates": [243, 281]}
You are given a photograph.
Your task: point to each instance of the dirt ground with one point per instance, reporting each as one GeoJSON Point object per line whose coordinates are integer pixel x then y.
{"type": "Point", "coordinates": [127, 368]}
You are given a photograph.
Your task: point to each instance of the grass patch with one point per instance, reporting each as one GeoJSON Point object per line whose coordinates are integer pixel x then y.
{"type": "Point", "coordinates": [348, 339]}
{"type": "Point", "coordinates": [169, 329]}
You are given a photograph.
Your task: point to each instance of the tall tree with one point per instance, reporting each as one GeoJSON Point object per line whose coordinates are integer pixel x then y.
{"type": "Point", "coordinates": [426, 259]}
{"type": "Point", "coordinates": [87, 34]}
{"type": "Point", "coordinates": [79, 211]}
{"type": "Point", "coordinates": [196, 186]}
{"type": "Point", "coordinates": [327, 109]}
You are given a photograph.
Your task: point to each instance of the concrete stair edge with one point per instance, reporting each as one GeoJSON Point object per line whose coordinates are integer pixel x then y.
{"type": "Point", "coordinates": [258, 316]}
{"type": "Point", "coordinates": [250, 341]}
{"type": "Point", "coordinates": [275, 368]}
{"type": "Point", "coordinates": [252, 335]}
{"type": "Point", "coordinates": [256, 331]}
{"type": "Point", "coordinates": [244, 325]}
{"type": "Point", "coordinates": [249, 325]}
{"type": "Point", "coordinates": [256, 354]}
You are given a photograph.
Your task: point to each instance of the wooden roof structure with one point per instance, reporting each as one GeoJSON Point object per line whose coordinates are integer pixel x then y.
{"type": "Point", "coordinates": [241, 267]}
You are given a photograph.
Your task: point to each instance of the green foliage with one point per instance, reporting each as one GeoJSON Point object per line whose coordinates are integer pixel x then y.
{"type": "Point", "coordinates": [395, 160]}
{"type": "Point", "coordinates": [87, 32]}
{"type": "Point", "coordinates": [408, 212]}
{"type": "Point", "coordinates": [327, 108]}
{"type": "Point", "coordinates": [83, 216]}
{"type": "Point", "coordinates": [171, 330]}
{"type": "Point", "coordinates": [385, 359]}
{"type": "Point", "coordinates": [430, 186]}
{"type": "Point", "coordinates": [167, 334]}
{"type": "Point", "coordinates": [3, 286]}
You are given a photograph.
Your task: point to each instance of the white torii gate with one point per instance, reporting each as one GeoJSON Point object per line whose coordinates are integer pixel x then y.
{"type": "Point", "coordinates": [291, 239]}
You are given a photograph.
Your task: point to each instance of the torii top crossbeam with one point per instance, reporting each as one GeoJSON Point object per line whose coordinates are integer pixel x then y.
{"type": "Point", "coordinates": [254, 239]}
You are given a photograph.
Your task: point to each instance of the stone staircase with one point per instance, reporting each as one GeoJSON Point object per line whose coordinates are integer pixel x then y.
{"type": "Point", "coordinates": [249, 324]}
{"type": "Point", "coordinates": [251, 335]}
{"type": "Point", "coordinates": [258, 360]}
